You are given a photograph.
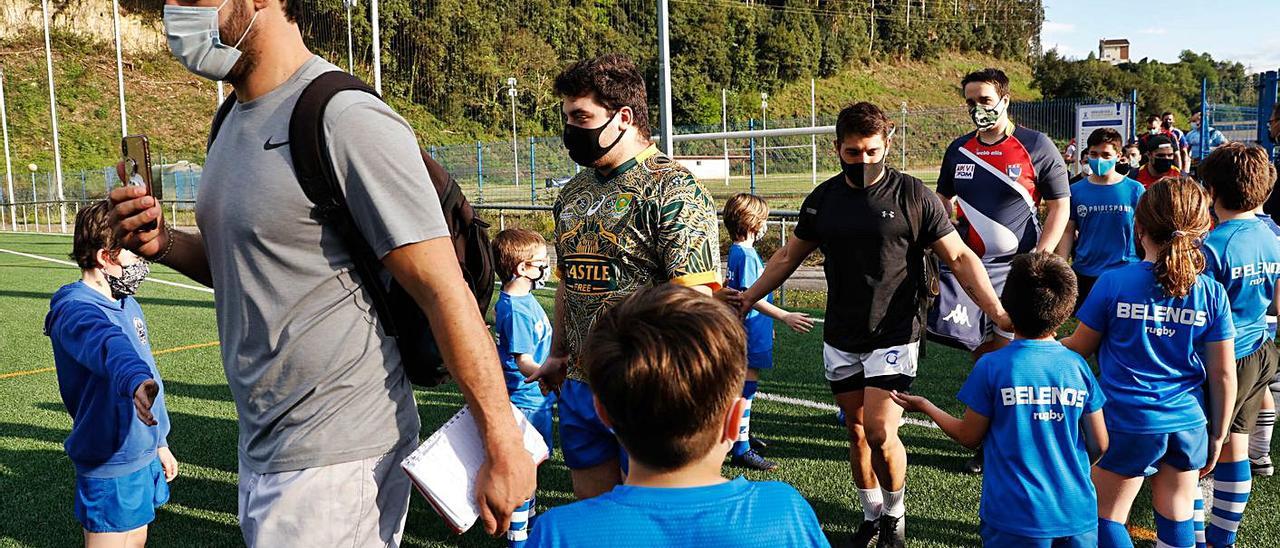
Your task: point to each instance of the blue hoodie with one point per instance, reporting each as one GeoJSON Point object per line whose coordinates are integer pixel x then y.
{"type": "Point", "coordinates": [102, 354]}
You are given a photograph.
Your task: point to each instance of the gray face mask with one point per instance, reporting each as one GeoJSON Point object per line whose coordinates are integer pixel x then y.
{"type": "Point", "coordinates": [193, 38]}
{"type": "Point", "coordinates": [129, 279]}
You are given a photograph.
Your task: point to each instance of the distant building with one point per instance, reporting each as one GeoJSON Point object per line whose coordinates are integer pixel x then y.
{"type": "Point", "coordinates": [1113, 51]}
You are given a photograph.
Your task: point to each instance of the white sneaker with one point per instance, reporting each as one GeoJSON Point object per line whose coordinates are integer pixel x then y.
{"type": "Point", "coordinates": [1261, 466]}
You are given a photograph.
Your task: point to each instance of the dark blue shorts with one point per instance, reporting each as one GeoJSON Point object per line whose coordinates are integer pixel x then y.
{"type": "Point", "coordinates": [954, 318]}
{"type": "Point", "coordinates": [994, 538]}
{"type": "Point", "coordinates": [1140, 455]}
{"type": "Point", "coordinates": [585, 440]}
{"type": "Point", "coordinates": [121, 504]}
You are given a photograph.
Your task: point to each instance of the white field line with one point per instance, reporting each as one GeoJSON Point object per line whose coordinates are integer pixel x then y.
{"type": "Point", "coordinates": [69, 263]}
{"type": "Point", "coordinates": [763, 396]}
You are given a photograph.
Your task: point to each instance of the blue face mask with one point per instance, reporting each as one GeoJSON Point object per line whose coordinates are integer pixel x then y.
{"type": "Point", "coordinates": [193, 38]}
{"type": "Point", "coordinates": [1101, 167]}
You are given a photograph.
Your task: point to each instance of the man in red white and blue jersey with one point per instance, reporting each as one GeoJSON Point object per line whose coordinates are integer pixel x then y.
{"type": "Point", "coordinates": [995, 178]}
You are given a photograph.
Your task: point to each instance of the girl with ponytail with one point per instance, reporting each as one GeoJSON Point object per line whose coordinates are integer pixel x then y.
{"type": "Point", "coordinates": [1160, 329]}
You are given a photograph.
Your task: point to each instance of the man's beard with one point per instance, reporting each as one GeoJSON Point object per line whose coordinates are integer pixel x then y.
{"type": "Point", "coordinates": [237, 26]}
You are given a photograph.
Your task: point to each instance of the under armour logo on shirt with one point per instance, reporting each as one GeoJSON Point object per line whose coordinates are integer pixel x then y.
{"type": "Point", "coordinates": [959, 316]}
{"type": "Point", "coordinates": [886, 214]}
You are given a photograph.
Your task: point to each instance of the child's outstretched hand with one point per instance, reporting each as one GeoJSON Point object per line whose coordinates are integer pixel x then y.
{"type": "Point", "coordinates": [143, 398]}
{"type": "Point", "coordinates": [168, 463]}
{"type": "Point", "coordinates": [798, 322]}
{"type": "Point", "coordinates": [550, 375]}
{"type": "Point", "coordinates": [910, 402]}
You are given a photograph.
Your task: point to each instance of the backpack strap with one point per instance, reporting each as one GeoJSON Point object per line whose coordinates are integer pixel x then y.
{"type": "Point", "coordinates": [314, 169]}
{"type": "Point", "coordinates": [223, 111]}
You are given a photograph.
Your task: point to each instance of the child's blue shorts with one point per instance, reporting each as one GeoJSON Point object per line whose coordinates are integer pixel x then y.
{"type": "Point", "coordinates": [121, 504]}
{"type": "Point", "coordinates": [996, 538]}
{"type": "Point", "coordinates": [540, 417]}
{"type": "Point", "coordinates": [760, 360]}
{"type": "Point", "coordinates": [1140, 455]}
{"type": "Point", "coordinates": [585, 441]}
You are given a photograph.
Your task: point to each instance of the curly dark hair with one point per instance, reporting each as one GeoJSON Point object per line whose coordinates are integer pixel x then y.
{"type": "Point", "coordinates": [92, 232]}
{"type": "Point", "coordinates": [292, 9]}
{"type": "Point", "coordinates": [614, 81]}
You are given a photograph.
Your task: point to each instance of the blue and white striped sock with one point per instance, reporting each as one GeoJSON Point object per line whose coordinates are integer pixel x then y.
{"type": "Point", "coordinates": [518, 534]}
{"type": "Point", "coordinates": [1174, 534]}
{"type": "Point", "coordinates": [1232, 482]}
{"type": "Point", "coordinates": [743, 443]}
{"type": "Point", "coordinates": [1198, 517]}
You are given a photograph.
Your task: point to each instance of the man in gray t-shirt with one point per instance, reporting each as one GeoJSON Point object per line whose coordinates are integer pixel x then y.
{"type": "Point", "coordinates": [325, 409]}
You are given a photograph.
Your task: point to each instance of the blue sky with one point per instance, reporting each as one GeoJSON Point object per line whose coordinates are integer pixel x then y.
{"type": "Point", "coordinates": [1239, 30]}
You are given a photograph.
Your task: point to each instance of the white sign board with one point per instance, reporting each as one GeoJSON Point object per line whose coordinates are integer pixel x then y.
{"type": "Point", "coordinates": [705, 168]}
{"type": "Point", "coordinates": [1089, 118]}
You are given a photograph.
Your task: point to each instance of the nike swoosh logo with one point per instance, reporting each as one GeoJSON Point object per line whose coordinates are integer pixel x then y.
{"type": "Point", "coordinates": [271, 146]}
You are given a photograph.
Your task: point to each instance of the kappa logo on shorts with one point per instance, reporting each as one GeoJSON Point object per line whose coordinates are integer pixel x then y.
{"type": "Point", "coordinates": [141, 328]}
{"type": "Point", "coordinates": [959, 316]}
{"type": "Point", "coordinates": [964, 171]}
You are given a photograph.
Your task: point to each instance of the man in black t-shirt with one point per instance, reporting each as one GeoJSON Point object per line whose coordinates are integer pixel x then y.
{"type": "Point", "coordinates": [874, 225]}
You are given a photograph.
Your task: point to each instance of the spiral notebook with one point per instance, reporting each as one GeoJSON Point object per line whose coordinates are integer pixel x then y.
{"type": "Point", "coordinates": [444, 467]}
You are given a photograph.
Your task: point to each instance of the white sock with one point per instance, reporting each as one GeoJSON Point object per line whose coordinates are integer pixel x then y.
{"type": "Point", "coordinates": [1260, 440]}
{"type": "Point", "coordinates": [872, 503]}
{"type": "Point", "coordinates": [895, 503]}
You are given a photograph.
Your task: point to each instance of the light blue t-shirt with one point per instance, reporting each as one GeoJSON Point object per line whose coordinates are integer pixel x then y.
{"type": "Point", "coordinates": [1036, 482]}
{"type": "Point", "coordinates": [1243, 255]}
{"type": "Point", "coordinates": [523, 328]}
{"type": "Point", "coordinates": [1103, 215]}
{"type": "Point", "coordinates": [1271, 312]}
{"type": "Point", "coordinates": [1150, 361]}
{"type": "Point", "coordinates": [744, 269]}
{"type": "Point", "coordinates": [727, 515]}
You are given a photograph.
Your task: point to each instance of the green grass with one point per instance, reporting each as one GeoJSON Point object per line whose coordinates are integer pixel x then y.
{"type": "Point", "coordinates": [36, 477]}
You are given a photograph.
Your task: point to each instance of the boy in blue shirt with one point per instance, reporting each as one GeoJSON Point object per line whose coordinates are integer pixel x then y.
{"type": "Point", "coordinates": [1036, 408]}
{"type": "Point", "coordinates": [1099, 235]}
{"type": "Point", "coordinates": [665, 367]}
{"type": "Point", "coordinates": [111, 388]}
{"type": "Point", "coordinates": [1260, 439]}
{"type": "Point", "coordinates": [524, 340]}
{"type": "Point", "coordinates": [1161, 329]}
{"type": "Point", "coordinates": [746, 217]}
{"type": "Point", "coordinates": [1241, 253]}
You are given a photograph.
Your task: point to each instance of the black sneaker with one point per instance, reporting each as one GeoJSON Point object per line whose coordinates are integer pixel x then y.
{"type": "Point", "coordinates": [974, 465]}
{"type": "Point", "coordinates": [757, 444]}
{"type": "Point", "coordinates": [752, 460]}
{"type": "Point", "coordinates": [893, 532]}
{"type": "Point", "coordinates": [865, 534]}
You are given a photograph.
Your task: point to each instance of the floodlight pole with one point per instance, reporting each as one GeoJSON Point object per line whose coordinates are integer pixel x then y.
{"type": "Point", "coordinates": [664, 78]}
{"type": "Point", "coordinates": [351, 64]}
{"type": "Point", "coordinates": [124, 117]}
{"type": "Point", "coordinates": [8, 163]}
{"type": "Point", "coordinates": [515, 155]}
{"type": "Point", "coordinates": [53, 115]}
{"type": "Point", "coordinates": [377, 47]}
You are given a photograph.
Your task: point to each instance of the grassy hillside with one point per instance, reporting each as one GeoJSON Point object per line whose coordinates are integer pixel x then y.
{"type": "Point", "coordinates": [173, 107]}
{"type": "Point", "coordinates": [922, 84]}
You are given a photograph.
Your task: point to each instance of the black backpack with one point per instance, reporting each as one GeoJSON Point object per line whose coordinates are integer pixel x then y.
{"type": "Point", "coordinates": [400, 315]}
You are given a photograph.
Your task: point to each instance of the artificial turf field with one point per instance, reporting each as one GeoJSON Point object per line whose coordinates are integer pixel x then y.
{"type": "Point", "coordinates": [811, 449]}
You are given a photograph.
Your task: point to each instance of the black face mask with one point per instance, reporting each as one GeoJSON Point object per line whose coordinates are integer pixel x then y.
{"type": "Point", "coordinates": [862, 175]}
{"type": "Point", "coordinates": [1162, 165]}
{"type": "Point", "coordinates": [583, 144]}
{"type": "Point", "coordinates": [1123, 169]}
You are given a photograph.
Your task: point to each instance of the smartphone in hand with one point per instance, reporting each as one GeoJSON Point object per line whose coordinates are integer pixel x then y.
{"type": "Point", "coordinates": [136, 152]}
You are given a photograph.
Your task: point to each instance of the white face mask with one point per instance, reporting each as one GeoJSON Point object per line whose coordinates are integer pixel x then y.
{"type": "Point", "coordinates": [193, 38]}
